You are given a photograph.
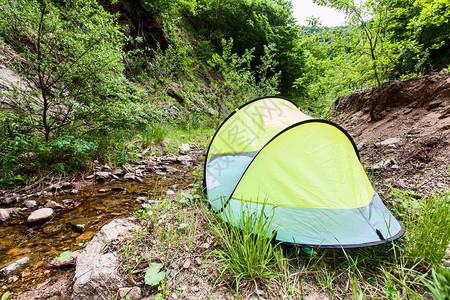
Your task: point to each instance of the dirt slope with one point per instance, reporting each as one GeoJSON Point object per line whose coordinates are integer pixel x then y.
{"type": "Point", "coordinates": [410, 141]}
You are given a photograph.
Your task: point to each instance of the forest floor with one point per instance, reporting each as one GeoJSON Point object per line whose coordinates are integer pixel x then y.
{"type": "Point", "coordinates": [407, 148]}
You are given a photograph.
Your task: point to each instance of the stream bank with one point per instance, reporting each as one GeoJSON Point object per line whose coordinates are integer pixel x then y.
{"type": "Point", "coordinates": [78, 213]}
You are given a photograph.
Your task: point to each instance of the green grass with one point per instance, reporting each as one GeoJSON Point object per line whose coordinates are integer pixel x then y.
{"type": "Point", "coordinates": [429, 230]}
{"type": "Point", "coordinates": [247, 251]}
{"type": "Point", "coordinates": [154, 133]}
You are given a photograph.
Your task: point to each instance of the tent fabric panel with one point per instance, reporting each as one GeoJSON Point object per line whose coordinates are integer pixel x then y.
{"type": "Point", "coordinates": [222, 175]}
{"type": "Point", "coordinates": [326, 228]}
{"type": "Point", "coordinates": [252, 126]}
{"type": "Point", "coordinates": [310, 165]}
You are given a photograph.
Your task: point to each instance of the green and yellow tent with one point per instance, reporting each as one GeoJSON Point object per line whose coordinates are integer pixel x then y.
{"type": "Point", "coordinates": [304, 173]}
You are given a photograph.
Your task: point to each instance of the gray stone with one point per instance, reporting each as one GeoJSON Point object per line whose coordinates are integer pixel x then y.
{"type": "Point", "coordinates": [170, 192]}
{"type": "Point", "coordinates": [101, 175]}
{"type": "Point", "coordinates": [103, 190]}
{"type": "Point", "coordinates": [184, 148]}
{"type": "Point", "coordinates": [74, 191]}
{"type": "Point", "coordinates": [52, 204]}
{"type": "Point", "coordinates": [360, 145]}
{"type": "Point", "coordinates": [129, 176]}
{"type": "Point", "coordinates": [40, 215]}
{"type": "Point", "coordinates": [67, 201]}
{"type": "Point", "coordinates": [12, 279]}
{"type": "Point", "coordinates": [4, 214]}
{"type": "Point", "coordinates": [211, 111]}
{"type": "Point", "coordinates": [118, 172]}
{"type": "Point", "coordinates": [184, 158]}
{"type": "Point", "coordinates": [30, 203]}
{"type": "Point", "coordinates": [47, 194]}
{"type": "Point", "coordinates": [96, 271]}
{"type": "Point", "coordinates": [391, 142]}
{"type": "Point", "coordinates": [14, 266]}
{"type": "Point", "coordinates": [10, 200]}
{"type": "Point", "coordinates": [134, 292]}
{"type": "Point", "coordinates": [71, 260]}
{"type": "Point", "coordinates": [141, 199]}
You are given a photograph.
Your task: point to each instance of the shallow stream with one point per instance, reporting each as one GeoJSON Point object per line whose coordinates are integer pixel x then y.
{"type": "Point", "coordinates": [43, 242]}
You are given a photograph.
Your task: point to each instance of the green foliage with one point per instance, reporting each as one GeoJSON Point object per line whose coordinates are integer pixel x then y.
{"type": "Point", "coordinates": [254, 25]}
{"type": "Point", "coordinates": [424, 25]}
{"type": "Point", "coordinates": [239, 75]}
{"type": "Point", "coordinates": [374, 51]}
{"type": "Point", "coordinates": [154, 275]}
{"type": "Point", "coordinates": [72, 55]}
{"type": "Point", "coordinates": [6, 295]}
{"type": "Point", "coordinates": [439, 286]}
{"type": "Point", "coordinates": [64, 255]}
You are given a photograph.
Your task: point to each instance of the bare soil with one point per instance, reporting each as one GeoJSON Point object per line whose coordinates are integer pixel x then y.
{"type": "Point", "coordinates": [417, 112]}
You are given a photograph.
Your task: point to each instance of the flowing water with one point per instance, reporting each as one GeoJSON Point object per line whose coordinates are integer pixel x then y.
{"type": "Point", "coordinates": [43, 242]}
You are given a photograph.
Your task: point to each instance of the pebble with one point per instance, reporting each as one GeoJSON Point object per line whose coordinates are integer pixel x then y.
{"type": "Point", "coordinates": [101, 175]}
{"type": "Point", "coordinates": [30, 203]}
{"type": "Point", "coordinates": [52, 204]}
{"type": "Point", "coordinates": [187, 264]}
{"type": "Point", "coordinates": [391, 142]}
{"type": "Point", "coordinates": [118, 172]}
{"type": "Point", "coordinates": [12, 279]}
{"type": "Point", "coordinates": [4, 214]}
{"type": "Point", "coordinates": [134, 293]}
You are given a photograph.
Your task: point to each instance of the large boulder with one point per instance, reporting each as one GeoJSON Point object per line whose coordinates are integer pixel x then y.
{"type": "Point", "coordinates": [97, 271]}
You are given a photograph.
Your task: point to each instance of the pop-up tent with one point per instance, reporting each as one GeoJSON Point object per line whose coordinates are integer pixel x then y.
{"type": "Point", "coordinates": [304, 173]}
